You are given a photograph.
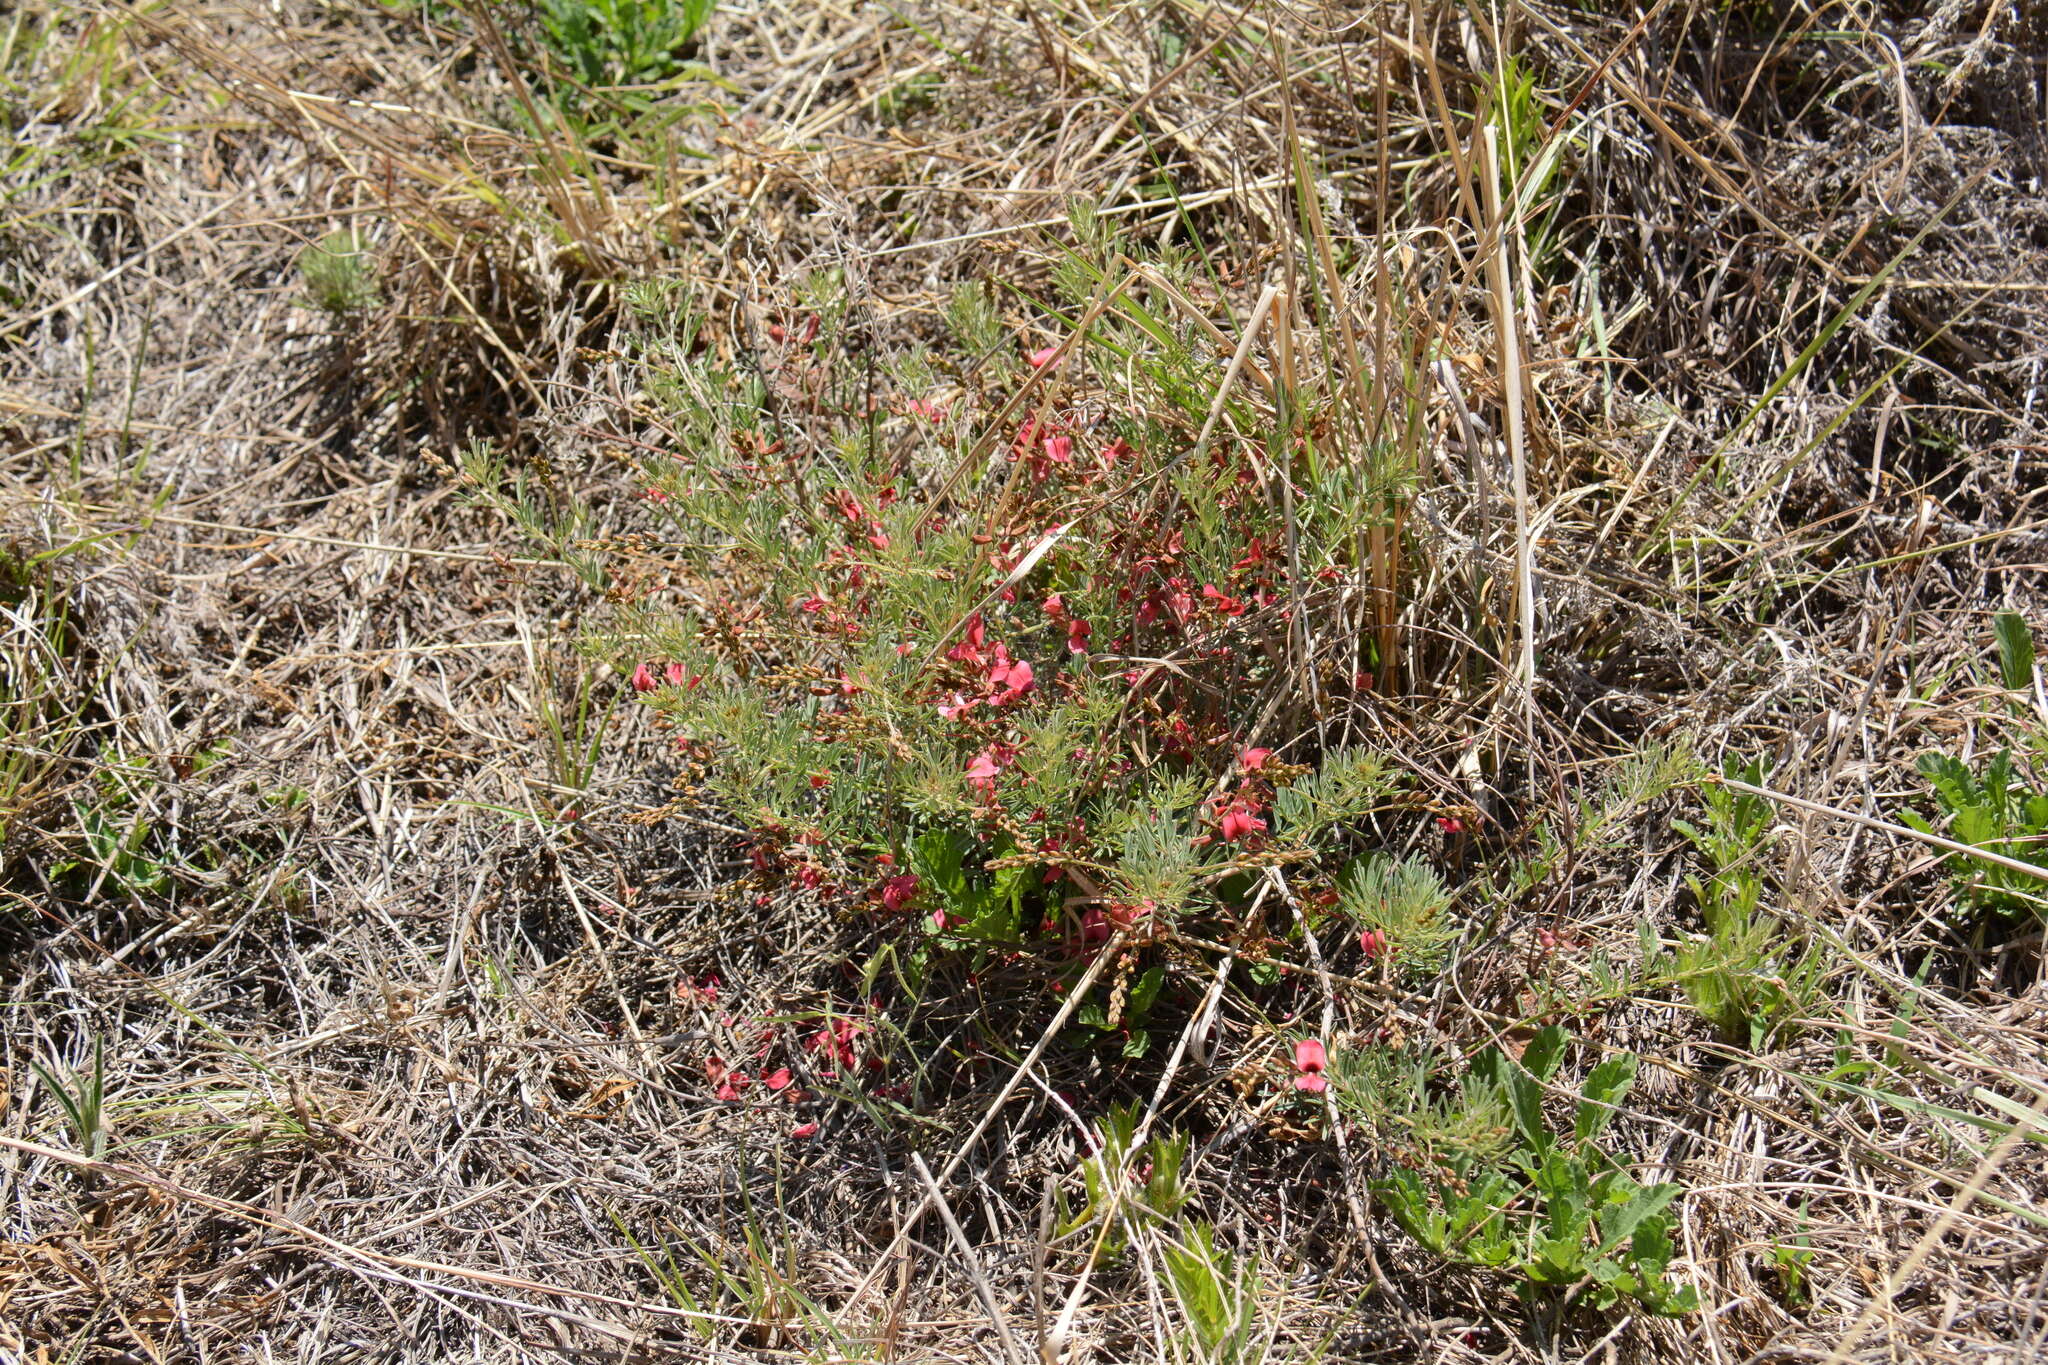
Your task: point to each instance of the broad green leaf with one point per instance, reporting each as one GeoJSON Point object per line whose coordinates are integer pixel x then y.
{"type": "Point", "coordinates": [1604, 1089]}
{"type": "Point", "coordinates": [1619, 1224]}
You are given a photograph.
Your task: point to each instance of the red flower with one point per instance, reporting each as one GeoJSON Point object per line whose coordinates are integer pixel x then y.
{"type": "Point", "coordinates": [897, 891]}
{"type": "Point", "coordinates": [1055, 606]}
{"type": "Point", "coordinates": [1310, 1061]}
{"type": "Point", "coordinates": [804, 1130]}
{"type": "Point", "coordinates": [777, 1079]}
{"type": "Point", "coordinates": [836, 1041]}
{"type": "Point", "coordinates": [1059, 449]}
{"type": "Point", "coordinates": [1041, 358]}
{"type": "Point", "coordinates": [1375, 944]}
{"type": "Point", "coordinates": [968, 651]}
{"type": "Point", "coordinates": [1223, 602]}
{"type": "Point", "coordinates": [1450, 824]}
{"type": "Point", "coordinates": [1124, 914]}
{"type": "Point", "coordinates": [1240, 821]}
{"type": "Point", "coordinates": [643, 678]}
{"type": "Point", "coordinates": [1252, 760]}
{"type": "Point", "coordinates": [1078, 632]}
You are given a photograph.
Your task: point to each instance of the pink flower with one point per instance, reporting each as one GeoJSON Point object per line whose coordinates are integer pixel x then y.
{"type": "Point", "coordinates": [926, 408]}
{"type": "Point", "coordinates": [735, 1082]}
{"type": "Point", "coordinates": [1240, 821]}
{"type": "Point", "coordinates": [981, 773]}
{"type": "Point", "coordinates": [1059, 449]}
{"type": "Point", "coordinates": [1375, 944]}
{"type": "Point", "coordinates": [1450, 824]}
{"type": "Point", "coordinates": [880, 540]}
{"type": "Point", "coordinates": [955, 707]}
{"type": "Point", "coordinates": [1040, 359]}
{"type": "Point", "coordinates": [675, 675]}
{"type": "Point", "coordinates": [804, 1130]}
{"type": "Point", "coordinates": [777, 1079]}
{"type": "Point", "coordinates": [1014, 679]}
{"type": "Point", "coordinates": [897, 891]}
{"type": "Point", "coordinates": [643, 678]}
{"type": "Point", "coordinates": [1310, 1061]}
{"type": "Point", "coordinates": [1055, 606]}
{"type": "Point", "coordinates": [1252, 760]}
{"type": "Point", "coordinates": [1078, 632]}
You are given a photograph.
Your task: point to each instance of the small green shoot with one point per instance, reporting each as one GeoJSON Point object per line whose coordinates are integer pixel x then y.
{"type": "Point", "coordinates": [339, 273]}
{"type": "Point", "coordinates": [1743, 976]}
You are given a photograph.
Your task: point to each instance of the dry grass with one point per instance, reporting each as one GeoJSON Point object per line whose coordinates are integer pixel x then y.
{"type": "Point", "coordinates": [399, 1066]}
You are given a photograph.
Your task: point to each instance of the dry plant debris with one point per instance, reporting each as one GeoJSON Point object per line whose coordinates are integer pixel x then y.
{"type": "Point", "coordinates": [379, 988]}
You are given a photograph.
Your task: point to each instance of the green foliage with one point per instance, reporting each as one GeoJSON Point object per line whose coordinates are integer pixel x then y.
{"type": "Point", "coordinates": [339, 272]}
{"type": "Point", "coordinates": [972, 317]}
{"type": "Point", "coordinates": [1218, 1293]}
{"type": "Point", "coordinates": [1743, 975]}
{"type": "Point", "coordinates": [2015, 650]}
{"type": "Point", "coordinates": [907, 97]}
{"type": "Point", "coordinates": [1791, 1261]}
{"type": "Point", "coordinates": [1405, 900]}
{"type": "Point", "coordinates": [2000, 811]}
{"type": "Point", "coordinates": [82, 1096]}
{"type": "Point", "coordinates": [978, 907]}
{"type": "Point", "coordinates": [123, 844]}
{"type": "Point", "coordinates": [1127, 1190]}
{"type": "Point", "coordinates": [1001, 693]}
{"type": "Point", "coordinates": [1554, 1209]}
{"type": "Point", "coordinates": [622, 42]}
{"type": "Point", "coordinates": [1603, 816]}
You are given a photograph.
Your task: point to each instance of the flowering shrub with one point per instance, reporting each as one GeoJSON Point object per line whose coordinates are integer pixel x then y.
{"type": "Point", "coordinates": [1011, 669]}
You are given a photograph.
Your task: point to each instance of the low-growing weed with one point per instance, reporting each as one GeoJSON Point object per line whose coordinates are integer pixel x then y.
{"type": "Point", "coordinates": [2001, 809]}
{"type": "Point", "coordinates": [1744, 975]}
{"type": "Point", "coordinates": [623, 42]}
{"type": "Point", "coordinates": [1127, 1190]}
{"type": "Point", "coordinates": [1219, 1295]}
{"type": "Point", "coordinates": [82, 1096]}
{"type": "Point", "coordinates": [339, 273]}
{"type": "Point", "coordinates": [124, 843]}
{"type": "Point", "coordinates": [1488, 1182]}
